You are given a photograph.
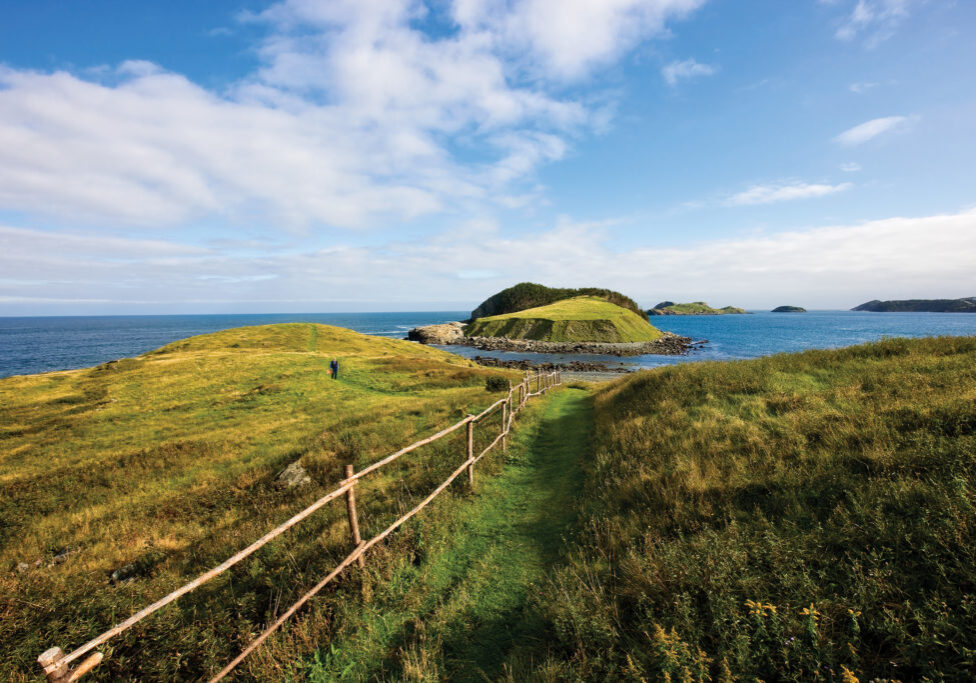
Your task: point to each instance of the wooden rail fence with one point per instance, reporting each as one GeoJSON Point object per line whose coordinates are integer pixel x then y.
{"type": "Point", "coordinates": [56, 665]}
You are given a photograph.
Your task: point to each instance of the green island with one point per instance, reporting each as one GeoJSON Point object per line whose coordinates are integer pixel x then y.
{"type": "Point", "coordinates": [803, 516]}
{"type": "Point", "coordinates": [693, 308]}
{"type": "Point", "coordinates": [789, 309]}
{"type": "Point", "coordinates": [963, 305]}
{"type": "Point", "coordinates": [579, 319]}
{"type": "Point", "coordinates": [531, 295]}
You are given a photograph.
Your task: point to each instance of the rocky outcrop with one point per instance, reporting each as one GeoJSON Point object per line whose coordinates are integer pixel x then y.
{"type": "Point", "coordinates": [292, 476]}
{"type": "Point", "coordinates": [668, 344]}
{"type": "Point", "coordinates": [447, 333]}
{"type": "Point", "coordinates": [789, 309]}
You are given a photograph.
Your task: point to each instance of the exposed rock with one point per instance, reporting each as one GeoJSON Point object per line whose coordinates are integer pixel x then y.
{"type": "Point", "coordinates": [292, 476]}
{"type": "Point", "coordinates": [447, 333]}
{"type": "Point", "coordinates": [123, 574]}
{"type": "Point", "coordinates": [62, 554]}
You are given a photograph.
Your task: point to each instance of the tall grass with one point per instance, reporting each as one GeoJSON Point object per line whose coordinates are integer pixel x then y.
{"type": "Point", "coordinates": [800, 517]}
{"type": "Point", "coordinates": [164, 465]}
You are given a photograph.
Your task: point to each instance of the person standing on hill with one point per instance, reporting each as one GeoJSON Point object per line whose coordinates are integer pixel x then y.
{"type": "Point", "coordinates": [334, 367]}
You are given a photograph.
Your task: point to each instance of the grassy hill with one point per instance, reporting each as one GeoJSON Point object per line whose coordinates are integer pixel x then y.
{"type": "Point", "coordinates": [693, 308]}
{"type": "Point", "coordinates": [531, 295]}
{"type": "Point", "coordinates": [584, 318]}
{"type": "Point", "coordinates": [164, 465]}
{"type": "Point", "coordinates": [799, 517]}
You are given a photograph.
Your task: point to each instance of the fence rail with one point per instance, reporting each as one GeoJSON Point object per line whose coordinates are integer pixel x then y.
{"type": "Point", "coordinates": [56, 665]}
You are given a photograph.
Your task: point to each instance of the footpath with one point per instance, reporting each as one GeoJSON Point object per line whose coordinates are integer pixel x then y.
{"type": "Point", "coordinates": [467, 612]}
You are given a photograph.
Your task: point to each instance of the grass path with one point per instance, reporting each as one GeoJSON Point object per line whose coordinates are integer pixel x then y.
{"type": "Point", "coordinates": [466, 611]}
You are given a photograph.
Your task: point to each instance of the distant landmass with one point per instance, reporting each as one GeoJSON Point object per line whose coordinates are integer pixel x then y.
{"type": "Point", "coordinates": [964, 305]}
{"type": "Point", "coordinates": [789, 309]}
{"type": "Point", "coordinates": [527, 295]}
{"type": "Point", "coordinates": [694, 308]}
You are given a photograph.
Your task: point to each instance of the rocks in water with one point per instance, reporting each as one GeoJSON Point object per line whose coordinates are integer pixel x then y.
{"type": "Point", "coordinates": [446, 333]}
{"type": "Point", "coordinates": [292, 476]}
{"type": "Point", "coordinates": [668, 344]}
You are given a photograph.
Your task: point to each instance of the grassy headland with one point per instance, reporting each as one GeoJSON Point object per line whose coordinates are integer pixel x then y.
{"type": "Point", "coordinates": [164, 465]}
{"type": "Point", "coordinates": [531, 295]}
{"type": "Point", "coordinates": [580, 319]}
{"type": "Point", "coordinates": [800, 517]}
{"type": "Point", "coordinates": [693, 308]}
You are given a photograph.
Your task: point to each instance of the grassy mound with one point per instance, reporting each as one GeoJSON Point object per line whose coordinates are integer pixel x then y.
{"type": "Point", "coordinates": [163, 466]}
{"type": "Point", "coordinates": [694, 308]}
{"type": "Point", "coordinates": [800, 517]}
{"type": "Point", "coordinates": [580, 319]}
{"type": "Point", "coordinates": [530, 295]}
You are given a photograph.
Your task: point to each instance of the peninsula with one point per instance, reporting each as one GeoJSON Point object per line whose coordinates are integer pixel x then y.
{"type": "Point", "coordinates": [964, 305]}
{"type": "Point", "coordinates": [694, 308]}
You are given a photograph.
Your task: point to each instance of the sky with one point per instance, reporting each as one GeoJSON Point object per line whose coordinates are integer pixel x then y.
{"type": "Point", "coordinates": [408, 155]}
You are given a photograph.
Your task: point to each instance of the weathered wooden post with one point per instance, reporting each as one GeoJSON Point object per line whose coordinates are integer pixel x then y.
{"type": "Point", "coordinates": [505, 423]}
{"type": "Point", "coordinates": [56, 670]}
{"type": "Point", "coordinates": [353, 518]}
{"type": "Point", "coordinates": [470, 435]}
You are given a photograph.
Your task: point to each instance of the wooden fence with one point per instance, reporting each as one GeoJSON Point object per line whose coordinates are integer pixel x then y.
{"type": "Point", "coordinates": [56, 665]}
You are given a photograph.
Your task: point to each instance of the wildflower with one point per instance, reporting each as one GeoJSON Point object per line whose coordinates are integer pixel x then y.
{"type": "Point", "coordinates": [847, 675]}
{"type": "Point", "coordinates": [810, 612]}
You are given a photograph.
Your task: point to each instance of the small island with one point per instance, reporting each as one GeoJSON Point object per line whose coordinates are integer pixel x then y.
{"type": "Point", "coordinates": [588, 320]}
{"type": "Point", "coordinates": [789, 309]}
{"type": "Point", "coordinates": [694, 308]}
{"type": "Point", "coordinates": [964, 305]}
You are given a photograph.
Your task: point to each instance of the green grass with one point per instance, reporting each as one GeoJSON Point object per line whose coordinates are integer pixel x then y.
{"type": "Point", "coordinates": [167, 462]}
{"type": "Point", "coordinates": [779, 519]}
{"type": "Point", "coordinates": [467, 609]}
{"type": "Point", "coordinates": [696, 308]}
{"type": "Point", "coordinates": [584, 319]}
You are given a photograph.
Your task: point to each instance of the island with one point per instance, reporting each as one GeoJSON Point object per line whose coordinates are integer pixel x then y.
{"type": "Point", "coordinates": [789, 309]}
{"type": "Point", "coordinates": [964, 305]}
{"type": "Point", "coordinates": [587, 320]}
{"type": "Point", "coordinates": [694, 308]}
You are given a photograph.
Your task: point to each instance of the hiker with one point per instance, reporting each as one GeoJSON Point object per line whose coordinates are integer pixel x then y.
{"type": "Point", "coordinates": [334, 367]}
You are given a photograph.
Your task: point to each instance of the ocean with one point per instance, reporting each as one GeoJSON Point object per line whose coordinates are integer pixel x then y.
{"type": "Point", "coordinates": [41, 344]}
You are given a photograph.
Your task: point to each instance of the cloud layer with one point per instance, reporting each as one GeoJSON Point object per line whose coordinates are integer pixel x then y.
{"type": "Point", "coordinates": [833, 266]}
{"type": "Point", "coordinates": [356, 115]}
{"type": "Point", "coordinates": [871, 129]}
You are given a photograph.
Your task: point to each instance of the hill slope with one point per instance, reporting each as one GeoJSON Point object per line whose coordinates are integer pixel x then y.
{"type": "Point", "coordinates": [581, 319]}
{"type": "Point", "coordinates": [162, 466]}
{"type": "Point", "coordinates": [694, 308]}
{"type": "Point", "coordinates": [778, 519]}
{"type": "Point", "coordinates": [530, 295]}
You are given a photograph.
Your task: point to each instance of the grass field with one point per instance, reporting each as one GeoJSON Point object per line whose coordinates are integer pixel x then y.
{"type": "Point", "coordinates": [164, 465]}
{"type": "Point", "coordinates": [584, 318]}
{"type": "Point", "coordinates": [800, 517]}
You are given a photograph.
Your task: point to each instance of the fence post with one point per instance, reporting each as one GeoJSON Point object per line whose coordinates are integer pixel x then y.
{"type": "Point", "coordinates": [470, 436]}
{"type": "Point", "coordinates": [505, 423]}
{"type": "Point", "coordinates": [353, 518]}
{"type": "Point", "coordinates": [56, 671]}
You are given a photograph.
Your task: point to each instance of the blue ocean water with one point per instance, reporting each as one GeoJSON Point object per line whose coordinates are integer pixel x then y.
{"type": "Point", "coordinates": [42, 344]}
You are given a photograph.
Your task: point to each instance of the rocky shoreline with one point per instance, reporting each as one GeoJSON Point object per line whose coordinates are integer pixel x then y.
{"type": "Point", "coordinates": [453, 333]}
{"type": "Point", "coordinates": [571, 366]}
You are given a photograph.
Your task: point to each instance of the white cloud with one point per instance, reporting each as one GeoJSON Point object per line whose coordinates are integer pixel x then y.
{"type": "Point", "coordinates": [689, 68]}
{"type": "Point", "coordinates": [769, 194]}
{"type": "Point", "coordinates": [876, 20]}
{"type": "Point", "coordinates": [850, 167]}
{"type": "Point", "coordinates": [859, 88]}
{"type": "Point", "coordinates": [832, 266]}
{"type": "Point", "coordinates": [871, 129]}
{"type": "Point", "coordinates": [355, 116]}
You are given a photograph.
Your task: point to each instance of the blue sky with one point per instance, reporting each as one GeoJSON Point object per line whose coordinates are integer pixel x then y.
{"type": "Point", "coordinates": [302, 156]}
